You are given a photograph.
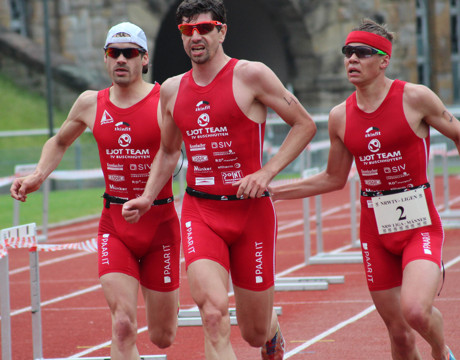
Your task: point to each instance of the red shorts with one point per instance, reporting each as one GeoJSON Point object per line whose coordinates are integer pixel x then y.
{"type": "Point", "coordinates": [240, 235]}
{"type": "Point", "coordinates": [148, 250]}
{"type": "Point", "coordinates": [385, 256]}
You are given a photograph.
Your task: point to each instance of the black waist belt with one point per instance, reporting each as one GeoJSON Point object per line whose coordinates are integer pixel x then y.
{"type": "Point", "coordinates": [203, 195]}
{"type": "Point", "coordinates": [116, 200]}
{"type": "Point", "coordinates": [389, 192]}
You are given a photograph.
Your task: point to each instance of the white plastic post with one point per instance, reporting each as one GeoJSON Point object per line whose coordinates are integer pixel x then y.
{"type": "Point", "coordinates": [5, 307]}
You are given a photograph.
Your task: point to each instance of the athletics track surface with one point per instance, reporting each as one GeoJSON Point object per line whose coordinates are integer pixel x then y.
{"type": "Point", "coordinates": [338, 323]}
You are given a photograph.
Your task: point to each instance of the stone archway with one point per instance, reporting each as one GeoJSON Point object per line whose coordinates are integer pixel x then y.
{"type": "Point", "coordinates": [270, 31]}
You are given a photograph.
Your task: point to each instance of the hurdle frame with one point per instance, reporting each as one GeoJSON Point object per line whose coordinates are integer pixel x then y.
{"type": "Point", "coordinates": [450, 218]}
{"type": "Point", "coordinates": [335, 257]}
{"type": "Point", "coordinates": [5, 307]}
{"type": "Point", "coordinates": [21, 231]}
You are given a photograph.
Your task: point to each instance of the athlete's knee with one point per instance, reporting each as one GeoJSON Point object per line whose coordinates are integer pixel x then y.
{"type": "Point", "coordinates": [212, 316]}
{"type": "Point", "coordinates": [418, 316]}
{"type": "Point", "coordinates": [256, 336]}
{"type": "Point", "coordinates": [163, 337]}
{"type": "Point", "coordinates": [124, 330]}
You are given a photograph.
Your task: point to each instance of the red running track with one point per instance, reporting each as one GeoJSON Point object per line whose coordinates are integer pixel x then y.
{"type": "Point", "coordinates": [338, 323]}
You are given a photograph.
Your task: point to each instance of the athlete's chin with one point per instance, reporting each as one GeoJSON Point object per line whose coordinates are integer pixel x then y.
{"type": "Point", "coordinates": [121, 81]}
{"type": "Point", "coordinates": [199, 59]}
{"type": "Point", "coordinates": [354, 80]}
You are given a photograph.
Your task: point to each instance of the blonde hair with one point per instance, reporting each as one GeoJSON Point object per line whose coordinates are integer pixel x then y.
{"type": "Point", "coordinates": [375, 28]}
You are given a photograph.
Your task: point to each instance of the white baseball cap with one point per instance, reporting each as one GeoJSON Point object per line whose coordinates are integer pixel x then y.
{"type": "Point", "coordinates": [126, 32]}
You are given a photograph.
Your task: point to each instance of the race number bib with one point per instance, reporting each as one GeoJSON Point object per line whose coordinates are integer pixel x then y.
{"type": "Point", "coordinates": [402, 211]}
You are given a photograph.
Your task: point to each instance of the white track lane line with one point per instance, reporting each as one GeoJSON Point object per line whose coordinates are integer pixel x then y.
{"type": "Point", "coordinates": [49, 262]}
{"type": "Point", "coordinates": [64, 297]}
{"type": "Point", "coordinates": [141, 330]}
{"type": "Point", "coordinates": [292, 224]}
{"type": "Point", "coordinates": [349, 321]}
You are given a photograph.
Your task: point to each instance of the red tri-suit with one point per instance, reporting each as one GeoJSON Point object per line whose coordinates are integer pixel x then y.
{"type": "Point", "coordinates": [128, 140]}
{"type": "Point", "coordinates": [223, 146]}
{"type": "Point", "coordinates": [390, 156]}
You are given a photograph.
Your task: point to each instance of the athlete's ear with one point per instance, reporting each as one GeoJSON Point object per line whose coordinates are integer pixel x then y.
{"type": "Point", "coordinates": [222, 33]}
{"type": "Point", "coordinates": [384, 62]}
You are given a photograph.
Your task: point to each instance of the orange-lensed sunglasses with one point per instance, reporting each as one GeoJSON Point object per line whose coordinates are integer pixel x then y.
{"type": "Point", "coordinates": [202, 27]}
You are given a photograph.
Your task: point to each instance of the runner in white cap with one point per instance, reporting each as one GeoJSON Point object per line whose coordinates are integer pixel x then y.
{"type": "Point", "coordinates": [124, 121]}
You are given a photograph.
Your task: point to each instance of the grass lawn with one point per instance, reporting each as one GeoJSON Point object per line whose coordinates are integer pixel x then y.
{"type": "Point", "coordinates": [63, 205]}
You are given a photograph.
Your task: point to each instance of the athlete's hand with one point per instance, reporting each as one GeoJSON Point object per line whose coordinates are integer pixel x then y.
{"type": "Point", "coordinates": [133, 209]}
{"type": "Point", "coordinates": [253, 185]}
{"type": "Point", "coordinates": [23, 186]}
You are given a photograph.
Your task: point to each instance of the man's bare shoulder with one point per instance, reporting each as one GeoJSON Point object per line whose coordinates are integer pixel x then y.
{"type": "Point", "coordinates": [84, 108]}
{"type": "Point", "coordinates": [87, 98]}
{"type": "Point", "coordinates": [338, 112]}
{"type": "Point", "coordinates": [171, 85]}
{"type": "Point", "coordinates": [416, 94]}
{"type": "Point", "coordinates": [251, 70]}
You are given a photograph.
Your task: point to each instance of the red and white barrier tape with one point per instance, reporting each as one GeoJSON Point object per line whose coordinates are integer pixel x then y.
{"type": "Point", "coordinates": [30, 242]}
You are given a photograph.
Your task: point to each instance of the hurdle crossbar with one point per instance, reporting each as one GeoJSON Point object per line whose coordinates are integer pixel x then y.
{"type": "Point", "coordinates": [192, 317]}
{"type": "Point", "coordinates": [143, 357]}
{"type": "Point", "coordinates": [321, 256]}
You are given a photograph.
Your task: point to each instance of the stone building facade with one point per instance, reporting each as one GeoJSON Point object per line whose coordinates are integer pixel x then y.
{"type": "Point", "coordinates": [299, 39]}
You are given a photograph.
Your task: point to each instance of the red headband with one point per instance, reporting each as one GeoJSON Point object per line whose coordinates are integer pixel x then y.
{"type": "Point", "coordinates": [371, 39]}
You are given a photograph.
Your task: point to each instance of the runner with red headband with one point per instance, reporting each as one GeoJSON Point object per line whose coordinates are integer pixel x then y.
{"type": "Point", "coordinates": [228, 222]}
{"type": "Point", "coordinates": [384, 126]}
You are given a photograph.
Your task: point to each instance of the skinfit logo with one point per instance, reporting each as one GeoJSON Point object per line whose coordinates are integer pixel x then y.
{"type": "Point", "coordinates": [372, 131]}
{"type": "Point", "coordinates": [202, 106]}
{"type": "Point", "coordinates": [374, 145]}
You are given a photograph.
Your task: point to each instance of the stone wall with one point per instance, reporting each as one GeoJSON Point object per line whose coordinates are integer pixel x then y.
{"type": "Point", "coordinates": [313, 32]}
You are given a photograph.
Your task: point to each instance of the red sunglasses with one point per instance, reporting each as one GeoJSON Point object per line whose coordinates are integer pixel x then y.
{"type": "Point", "coordinates": [202, 27]}
{"type": "Point", "coordinates": [128, 53]}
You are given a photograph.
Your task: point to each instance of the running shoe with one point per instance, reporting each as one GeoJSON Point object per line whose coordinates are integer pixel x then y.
{"type": "Point", "coordinates": [451, 356]}
{"type": "Point", "coordinates": [274, 349]}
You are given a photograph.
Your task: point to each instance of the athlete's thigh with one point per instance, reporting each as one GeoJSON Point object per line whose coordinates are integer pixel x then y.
{"type": "Point", "coordinates": [383, 269]}
{"type": "Point", "coordinates": [425, 243]}
{"type": "Point", "coordinates": [421, 282]}
{"type": "Point", "coordinates": [113, 254]}
{"type": "Point", "coordinates": [160, 266]}
{"type": "Point", "coordinates": [199, 239]}
{"type": "Point", "coordinates": [388, 305]}
{"type": "Point", "coordinates": [208, 282]}
{"type": "Point", "coordinates": [121, 293]}
{"type": "Point", "coordinates": [253, 309]}
{"type": "Point", "coordinates": [252, 256]}
{"type": "Point", "coordinates": [161, 308]}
